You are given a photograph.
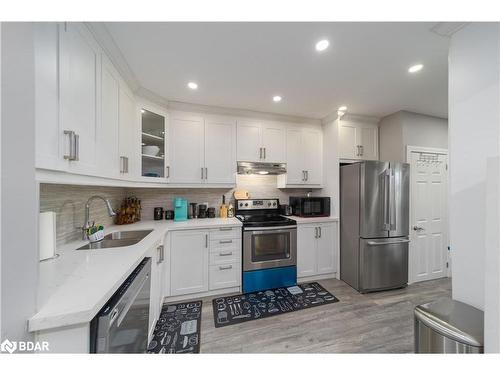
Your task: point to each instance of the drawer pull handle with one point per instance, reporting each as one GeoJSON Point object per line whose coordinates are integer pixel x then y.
{"type": "Point", "coordinates": [226, 241]}
{"type": "Point", "coordinates": [226, 254]}
{"type": "Point", "coordinates": [225, 268]}
{"type": "Point", "coordinates": [225, 229]}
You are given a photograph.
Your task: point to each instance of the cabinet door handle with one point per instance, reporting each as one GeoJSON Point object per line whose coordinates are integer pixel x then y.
{"type": "Point", "coordinates": [72, 151]}
{"type": "Point", "coordinates": [303, 175]}
{"type": "Point", "coordinates": [77, 147]}
{"type": "Point", "coordinates": [206, 241]}
{"type": "Point", "coordinates": [168, 171]}
{"type": "Point", "coordinates": [225, 267]}
{"type": "Point", "coordinates": [202, 173]}
{"type": "Point", "coordinates": [260, 153]}
{"type": "Point", "coordinates": [361, 151]}
{"type": "Point", "coordinates": [226, 241]}
{"type": "Point", "coordinates": [161, 255]}
{"type": "Point", "coordinates": [307, 175]}
{"type": "Point", "coordinates": [225, 254]}
{"type": "Point", "coordinates": [357, 150]}
{"type": "Point", "coordinates": [319, 228]}
{"type": "Point", "coordinates": [316, 232]}
{"type": "Point", "coordinates": [123, 164]}
{"type": "Point", "coordinates": [264, 152]}
{"type": "Point", "coordinates": [206, 173]}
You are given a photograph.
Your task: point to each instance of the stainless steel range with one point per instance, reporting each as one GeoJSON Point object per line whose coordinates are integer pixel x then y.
{"type": "Point", "coordinates": [269, 245]}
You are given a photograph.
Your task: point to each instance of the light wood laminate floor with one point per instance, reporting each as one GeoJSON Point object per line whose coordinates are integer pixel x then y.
{"type": "Point", "coordinates": [379, 322]}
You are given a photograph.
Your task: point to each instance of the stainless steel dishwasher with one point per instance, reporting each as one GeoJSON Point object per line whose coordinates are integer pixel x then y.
{"type": "Point", "coordinates": [122, 324]}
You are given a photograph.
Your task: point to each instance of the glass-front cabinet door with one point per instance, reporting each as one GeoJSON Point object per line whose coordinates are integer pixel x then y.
{"type": "Point", "coordinates": [153, 144]}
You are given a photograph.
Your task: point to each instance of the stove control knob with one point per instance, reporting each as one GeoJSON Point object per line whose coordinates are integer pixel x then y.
{"type": "Point", "coordinates": [274, 204]}
{"type": "Point", "coordinates": [241, 204]}
{"type": "Point", "coordinates": [269, 204]}
{"type": "Point", "coordinates": [246, 204]}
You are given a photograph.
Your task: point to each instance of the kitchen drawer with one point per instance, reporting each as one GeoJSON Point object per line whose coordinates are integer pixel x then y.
{"type": "Point", "coordinates": [225, 233]}
{"type": "Point", "coordinates": [224, 256]}
{"type": "Point", "coordinates": [225, 276]}
{"type": "Point", "coordinates": [225, 243]}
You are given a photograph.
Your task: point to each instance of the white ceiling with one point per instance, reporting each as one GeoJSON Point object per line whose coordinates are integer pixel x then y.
{"type": "Point", "coordinates": [242, 65]}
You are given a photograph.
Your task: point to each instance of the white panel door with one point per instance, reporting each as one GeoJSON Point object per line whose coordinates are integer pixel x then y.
{"type": "Point", "coordinates": [367, 138]}
{"type": "Point", "coordinates": [249, 141]}
{"type": "Point", "coordinates": [306, 250]}
{"type": "Point", "coordinates": [129, 133]}
{"type": "Point", "coordinates": [48, 136]}
{"type": "Point", "coordinates": [274, 142]}
{"type": "Point", "coordinates": [220, 151]}
{"type": "Point", "coordinates": [189, 262]}
{"type": "Point", "coordinates": [186, 151]}
{"type": "Point", "coordinates": [313, 156]}
{"type": "Point", "coordinates": [347, 141]}
{"type": "Point", "coordinates": [327, 248]}
{"type": "Point", "coordinates": [294, 157]}
{"type": "Point", "coordinates": [108, 139]}
{"type": "Point", "coordinates": [80, 92]}
{"type": "Point", "coordinates": [428, 232]}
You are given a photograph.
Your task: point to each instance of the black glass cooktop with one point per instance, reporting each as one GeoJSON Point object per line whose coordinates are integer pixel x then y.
{"type": "Point", "coordinates": [264, 220]}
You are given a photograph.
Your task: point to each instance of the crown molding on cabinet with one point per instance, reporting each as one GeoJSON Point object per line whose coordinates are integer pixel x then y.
{"type": "Point", "coordinates": [235, 112]}
{"type": "Point", "coordinates": [106, 41]}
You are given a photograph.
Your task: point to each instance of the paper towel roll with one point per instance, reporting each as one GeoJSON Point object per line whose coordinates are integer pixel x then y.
{"type": "Point", "coordinates": [47, 234]}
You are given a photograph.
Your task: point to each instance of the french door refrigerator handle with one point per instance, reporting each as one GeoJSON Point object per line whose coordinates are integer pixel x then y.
{"type": "Point", "coordinates": [392, 200]}
{"type": "Point", "coordinates": [386, 179]}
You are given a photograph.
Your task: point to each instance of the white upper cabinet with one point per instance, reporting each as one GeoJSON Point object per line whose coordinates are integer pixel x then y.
{"type": "Point", "coordinates": [80, 95]}
{"type": "Point", "coordinates": [358, 140]}
{"type": "Point", "coordinates": [128, 147]}
{"type": "Point", "coordinates": [186, 149]}
{"type": "Point", "coordinates": [48, 135]}
{"type": "Point", "coordinates": [273, 142]}
{"type": "Point", "coordinates": [220, 151]}
{"type": "Point", "coordinates": [261, 141]}
{"type": "Point", "coordinates": [304, 157]}
{"type": "Point", "coordinates": [108, 134]}
{"type": "Point", "coordinates": [249, 144]}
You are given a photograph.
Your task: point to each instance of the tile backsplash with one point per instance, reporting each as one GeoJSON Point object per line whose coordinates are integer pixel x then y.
{"type": "Point", "coordinates": [68, 201]}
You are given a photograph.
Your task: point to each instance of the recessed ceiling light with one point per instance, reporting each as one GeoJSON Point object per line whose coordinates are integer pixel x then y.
{"type": "Point", "coordinates": [322, 45]}
{"type": "Point", "coordinates": [142, 111]}
{"type": "Point", "coordinates": [415, 68]}
{"type": "Point", "coordinates": [277, 98]}
{"type": "Point", "coordinates": [193, 85]}
{"type": "Point", "coordinates": [343, 108]}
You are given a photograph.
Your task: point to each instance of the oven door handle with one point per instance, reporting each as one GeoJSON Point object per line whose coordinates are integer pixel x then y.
{"type": "Point", "coordinates": [268, 229]}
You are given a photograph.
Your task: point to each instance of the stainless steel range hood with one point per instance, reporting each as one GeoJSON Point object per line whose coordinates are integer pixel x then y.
{"type": "Point", "coordinates": [245, 167]}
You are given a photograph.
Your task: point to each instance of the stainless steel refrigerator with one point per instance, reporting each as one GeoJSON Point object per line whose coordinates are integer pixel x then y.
{"type": "Point", "coordinates": [374, 225]}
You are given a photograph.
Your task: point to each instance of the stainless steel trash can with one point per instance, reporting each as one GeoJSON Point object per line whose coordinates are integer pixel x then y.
{"type": "Point", "coordinates": [448, 326]}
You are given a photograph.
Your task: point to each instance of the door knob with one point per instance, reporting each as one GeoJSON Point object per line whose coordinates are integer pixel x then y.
{"type": "Point", "coordinates": [417, 228]}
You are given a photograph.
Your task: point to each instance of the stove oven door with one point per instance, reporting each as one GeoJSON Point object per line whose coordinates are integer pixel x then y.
{"type": "Point", "coordinates": [269, 247]}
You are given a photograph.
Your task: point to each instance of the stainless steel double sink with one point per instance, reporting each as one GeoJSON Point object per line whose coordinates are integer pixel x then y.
{"type": "Point", "coordinates": [118, 239]}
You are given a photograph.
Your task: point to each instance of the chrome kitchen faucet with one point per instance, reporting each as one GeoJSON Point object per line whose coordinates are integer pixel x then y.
{"type": "Point", "coordinates": [86, 224]}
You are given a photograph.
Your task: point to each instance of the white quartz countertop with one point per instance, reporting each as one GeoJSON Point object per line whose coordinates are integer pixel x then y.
{"type": "Point", "coordinates": [307, 220]}
{"type": "Point", "coordinates": [77, 284]}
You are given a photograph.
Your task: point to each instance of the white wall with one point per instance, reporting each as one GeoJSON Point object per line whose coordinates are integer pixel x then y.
{"type": "Point", "coordinates": [19, 253]}
{"type": "Point", "coordinates": [404, 128]}
{"type": "Point", "coordinates": [474, 149]}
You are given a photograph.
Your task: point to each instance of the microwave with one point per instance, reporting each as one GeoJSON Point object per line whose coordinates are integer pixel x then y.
{"type": "Point", "coordinates": [310, 206]}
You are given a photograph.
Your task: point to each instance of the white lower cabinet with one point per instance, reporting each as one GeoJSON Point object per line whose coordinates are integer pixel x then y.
{"type": "Point", "coordinates": [189, 251]}
{"type": "Point", "coordinates": [317, 249]}
{"type": "Point", "coordinates": [158, 274]}
{"type": "Point", "coordinates": [204, 260]}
